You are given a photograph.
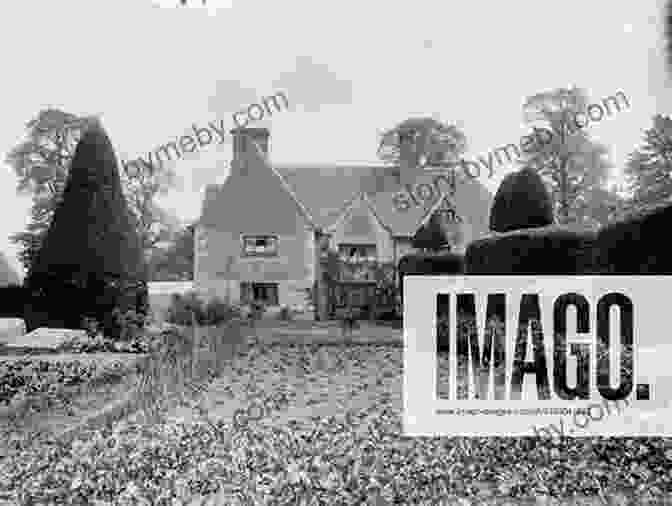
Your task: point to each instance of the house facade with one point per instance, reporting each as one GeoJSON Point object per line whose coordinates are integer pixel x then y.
{"type": "Point", "coordinates": [267, 232]}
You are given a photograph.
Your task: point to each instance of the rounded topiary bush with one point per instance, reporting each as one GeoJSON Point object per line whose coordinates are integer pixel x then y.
{"type": "Point", "coordinates": [521, 201]}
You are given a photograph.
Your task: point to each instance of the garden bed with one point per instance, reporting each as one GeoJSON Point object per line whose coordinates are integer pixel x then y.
{"type": "Point", "coordinates": [36, 379]}
{"type": "Point", "coordinates": [331, 430]}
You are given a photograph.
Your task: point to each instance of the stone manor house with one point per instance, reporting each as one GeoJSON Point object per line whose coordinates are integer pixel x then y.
{"type": "Point", "coordinates": [264, 234]}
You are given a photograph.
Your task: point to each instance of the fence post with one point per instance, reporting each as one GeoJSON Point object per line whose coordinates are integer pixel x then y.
{"type": "Point", "coordinates": [194, 346]}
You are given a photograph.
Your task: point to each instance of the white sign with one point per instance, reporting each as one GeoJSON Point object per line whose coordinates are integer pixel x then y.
{"type": "Point", "coordinates": [544, 371]}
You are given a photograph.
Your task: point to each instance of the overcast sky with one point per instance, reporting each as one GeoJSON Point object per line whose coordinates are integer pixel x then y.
{"type": "Point", "coordinates": [350, 69]}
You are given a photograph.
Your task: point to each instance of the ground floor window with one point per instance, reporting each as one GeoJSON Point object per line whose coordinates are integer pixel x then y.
{"type": "Point", "coordinates": [266, 293]}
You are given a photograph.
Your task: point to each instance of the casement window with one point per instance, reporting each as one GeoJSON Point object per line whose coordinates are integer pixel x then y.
{"type": "Point", "coordinates": [259, 292]}
{"type": "Point", "coordinates": [358, 261]}
{"type": "Point", "coordinates": [357, 253]}
{"type": "Point", "coordinates": [260, 245]}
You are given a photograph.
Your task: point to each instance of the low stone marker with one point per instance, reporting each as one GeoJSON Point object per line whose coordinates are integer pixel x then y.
{"type": "Point", "coordinates": [42, 340]}
{"type": "Point", "coordinates": [11, 328]}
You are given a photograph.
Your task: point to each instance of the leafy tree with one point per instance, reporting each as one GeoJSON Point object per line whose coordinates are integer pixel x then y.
{"type": "Point", "coordinates": [521, 201]}
{"type": "Point", "coordinates": [649, 168]}
{"type": "Point", "coordinates": [435, 143]}
{"type": "Point", "coordinates": [141, 187]}
{"type": "Point", "coordinates": [571, 163]}
{"type": "Point", "coordinates": [42, 163]}
{"type": "Point", "coordinates": [91, 260]}
{"type": "Point", "coordinates": [175, 263]}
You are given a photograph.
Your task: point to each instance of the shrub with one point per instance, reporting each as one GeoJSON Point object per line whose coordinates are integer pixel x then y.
{"type": "Point", "coordinates": [91, 260]}
{"type": "Point", "coordinates": [429, 264]}
{"type": "Point", "coordinates": [130, 324]}
{"type": "Point", "coordinates": [521, 201]}
{"type": "Point", "coordinates": [634, 246]}
{"type": "Point", "coordinates": [554, 250]}
{"type": "Point", "coordinates": [217, 311]}
{"type": "Point", "coordinates": [183, 307]}
{"type": "Point", "coordinates": [214, 312]}
{"type": "Point", "coordinates": [285, 314]}
{"type": "Point", "coordinates": [13, 299]}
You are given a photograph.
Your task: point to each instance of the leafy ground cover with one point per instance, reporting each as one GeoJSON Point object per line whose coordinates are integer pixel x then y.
{"type": "Point", "coordinates": [22, 377]}
{"type": "Point", "coordinates": [100, 344]}
{"type": "Point", "coordinates": [331, 434]}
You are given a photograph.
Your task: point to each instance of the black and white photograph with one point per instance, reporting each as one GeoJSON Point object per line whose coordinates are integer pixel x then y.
{"type": "Point", "coordinates": [335, 253]}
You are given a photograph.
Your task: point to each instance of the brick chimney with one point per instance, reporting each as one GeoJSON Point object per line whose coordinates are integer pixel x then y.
{"type": "Point", "coordinates": [243, 147]}
{"type": "Point", "coordinates": [408, 156]}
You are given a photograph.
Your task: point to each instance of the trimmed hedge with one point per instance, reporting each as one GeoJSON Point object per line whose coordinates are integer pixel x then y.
{"type": "Point", "coordinates": [521, 202]}
{"type": "Point", "coordinates": [91, 261]}
{"type": "Point", "coordinates": [430, 265]}
{"type": "Point", "coordinates": [552, 250]}
{"type": "Point", "coordinates": [13, 299]}
{"type": "Point", "coordinates": [635, 246]}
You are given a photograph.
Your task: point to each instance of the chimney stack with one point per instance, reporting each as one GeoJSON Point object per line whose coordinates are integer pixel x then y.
{"type": "Point", "coordinates": [243, 147]}
{"type": "Point", "coordinates": [408, 156]}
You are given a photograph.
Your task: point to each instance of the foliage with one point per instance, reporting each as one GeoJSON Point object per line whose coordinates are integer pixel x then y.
{"type": "Point", "coordinates": [12, 301]}
{"type": "Point", "coordinates": [42, 163]}
{"type": "Point", "coordinates": [141, 188]}
{"type": "Point", "coordinates": [434, 142]}
{"type": "Point", "coordinates": [571, 163]}
{"type": "Point", "coordinates": [648, 170]}
{"type": "Point", "coordinates": [31, 377]}
{"type": "Point", "coordinates": [353, 457]}
{"type": "Point", "coordinates": [213, 312]}
{"type": "Point", "coordinates": [91, 255]}
{"type": "Point", "coordinates": [176, 262]}
{"type": "Point", "coordinates": [130, 324]}
{"type": "Point", "coordinates": [431, 236]}
{"type": "Point", "coordinates": [521, 202]}
{"type": "Point", "coordinates": [551, 250]}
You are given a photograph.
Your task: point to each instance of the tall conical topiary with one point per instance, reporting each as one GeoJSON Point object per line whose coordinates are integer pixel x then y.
{"type": "Point", "coordinates": [521, 201]}
{"type": "Point", "coordinates": [91, 260]}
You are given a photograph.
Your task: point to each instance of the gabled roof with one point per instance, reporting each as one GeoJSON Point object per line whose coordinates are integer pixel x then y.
{"type": "Point", "coordinates": [328, 190]}
{"type": "Point", "coordinates": [470, 195]}
{"type": "Point", "coordinates": [324, 193]}
{"type": "Point", "coordinates": [360, 197]}
{"type": "Point", "coordinates": [244, 198]}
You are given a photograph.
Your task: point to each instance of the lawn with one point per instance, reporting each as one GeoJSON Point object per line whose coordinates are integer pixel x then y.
{"type": "Point", "coordinates": [330, 433]}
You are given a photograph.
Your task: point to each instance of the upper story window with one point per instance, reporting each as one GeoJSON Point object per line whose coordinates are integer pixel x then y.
{"type": "Point", "coordinates": [356, 253]}
{"type": "Point", "coordinates": [260, 245]}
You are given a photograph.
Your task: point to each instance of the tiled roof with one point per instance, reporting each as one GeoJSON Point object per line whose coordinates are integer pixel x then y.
{"type": "Point", "coordinates": [470, 194]}
{"type": "Point", "coordinates": [327, 190]}
{"type": "Point", "coordinates": [261, 200]}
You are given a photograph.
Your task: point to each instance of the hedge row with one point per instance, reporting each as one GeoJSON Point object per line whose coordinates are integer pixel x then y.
{"type": "Point", "coordinates": [429, 264]}
{"type": "Point", "coordinates": [631, 247]}
{"type": "Point", "coordinates": [552, 250]}
{"type": "Point", "coordinates": [13, 299]}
